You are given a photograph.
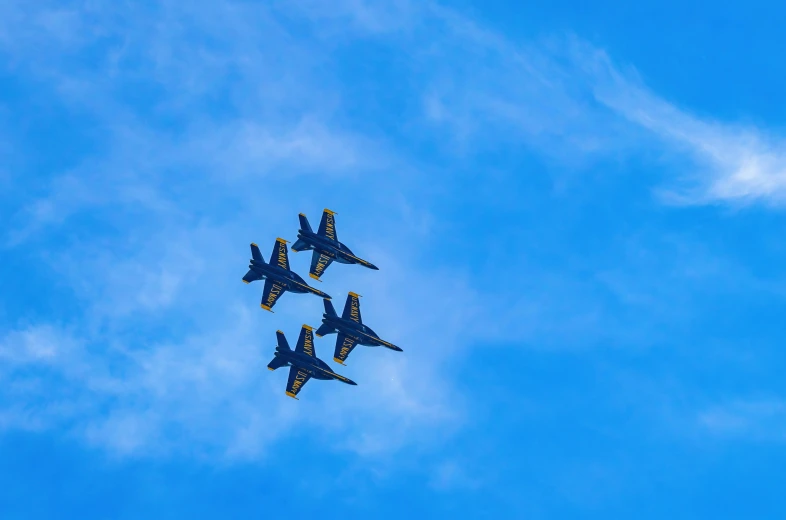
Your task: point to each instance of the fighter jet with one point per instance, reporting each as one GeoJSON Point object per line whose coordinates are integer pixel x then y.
{"type": "Point", "coordinates": [303, 362]}
{"type": "Point", "coordinates": [277, 275]}
{"type": "Point", "coordinates": [325, 245]}
{"type": "Point", "coordinates": [350, 328]}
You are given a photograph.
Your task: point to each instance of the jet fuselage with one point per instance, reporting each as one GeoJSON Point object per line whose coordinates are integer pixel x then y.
{"type": "Point", "coordinates": [331, 248]}
{"type": "Point", "coordinates": [314, 366]}
{"type": "Point", "coordinates": [317, 368]}
{"type": "Point", "coordinates": [290, 280]}
{"type": "Point", "coordinates": [362, 333]}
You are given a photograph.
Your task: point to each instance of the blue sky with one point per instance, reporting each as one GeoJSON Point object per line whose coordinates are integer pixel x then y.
{"type": "Point", "coordinates": [576, 212]}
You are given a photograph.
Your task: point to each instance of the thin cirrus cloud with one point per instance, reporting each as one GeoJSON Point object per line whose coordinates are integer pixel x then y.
{"type": "Point", "coordinates": [556, 97]}
{"type": "Point", "coordinates": [734, 163]}
{"type": "Point", "coordinates": [752, 419]}
{"type": "Point", "coordinates": [170, 157]}
{"type": "Point", "coordinates": [564, 95]}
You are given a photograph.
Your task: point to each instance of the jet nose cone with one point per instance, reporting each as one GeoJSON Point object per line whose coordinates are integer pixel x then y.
{"type": "Point", "coordinates": [344, 379]}
{"type": "Point", "coordinates": [372, 266]}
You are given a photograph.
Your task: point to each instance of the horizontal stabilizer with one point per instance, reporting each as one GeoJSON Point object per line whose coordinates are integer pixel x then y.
{"type": "Point", "coordinates": [324, 330]}
{"type": "Point", "coordinates": [300, 245]}
{"type": "Point", "coordinates": [276, 363]}
{"type": "Point", "coordinates": [250, 277]}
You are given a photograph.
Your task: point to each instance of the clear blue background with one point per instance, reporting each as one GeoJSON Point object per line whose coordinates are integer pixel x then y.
{"type": "Point", "coordinates": [588, 293]}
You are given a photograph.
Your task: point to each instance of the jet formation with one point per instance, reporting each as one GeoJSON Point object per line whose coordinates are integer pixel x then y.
{"type": "Point", "coordinates": [279, 278]}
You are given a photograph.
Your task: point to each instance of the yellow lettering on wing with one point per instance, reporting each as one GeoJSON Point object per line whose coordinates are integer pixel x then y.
{"type": "Point", "coordinates": [275, 291]}
{"type": "Point", "coordinates": [322, 263]}
{"type": "Point", "coordinates": [330, 227]}
{"type": "Point", "coordinates": [300, 379]}
{"type": "Point", "coordinates": [308, 344]}
{"type": "Point", "coordinates": [346, 347]}
{"type": "Point", "coordinates": [282, 255]}
{"type": "Point", "coordinates": [355, 309]}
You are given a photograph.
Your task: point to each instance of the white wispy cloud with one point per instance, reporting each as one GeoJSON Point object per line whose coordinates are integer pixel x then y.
{"type": "Point", "coordinates": [451, 476]}
{"type": "Point", "coordinates": [733, 162]}
{"type": "Point", "coordinates": [569, 100]}
{"type": "Point", "coordinates": [206, 393]}
{"type": "Point", "coordinates": [158, 362]}
{"type": "Point", "coordinates": [752, 419]}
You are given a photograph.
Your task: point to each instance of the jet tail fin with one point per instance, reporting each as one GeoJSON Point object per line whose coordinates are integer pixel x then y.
{"type": "Point", "coordinates": [282, 341]}
{"type": "Point", "coordinates": [304, 225]}
{"type": "Point", "coordinates": [329, 309]}
{"type": "Point", "coordinates": [256, 254]}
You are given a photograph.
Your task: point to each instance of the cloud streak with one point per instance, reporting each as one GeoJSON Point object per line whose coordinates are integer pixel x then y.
{"type": "Point", "coordinates": [733, 163]}
{"type": "Point", "coordinates": [756, 420]}
{"type": "Point", "coordinates": [155, 362]}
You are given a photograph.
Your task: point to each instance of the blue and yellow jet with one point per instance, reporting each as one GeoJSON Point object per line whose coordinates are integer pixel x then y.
{"type": "Point", "coordinates": [277, 275]}
{"type": "Point", "coordinates": [325, 245]}
{"type": "Point", "coordinates": [350, 329]}
{"type": "Point", "coordinates": [303, 362]}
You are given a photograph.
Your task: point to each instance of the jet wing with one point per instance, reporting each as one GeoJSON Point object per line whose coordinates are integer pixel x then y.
{"type": "Point", "coordinates": [297, 378]}
{"type": "Point", "coordinates": [352, 308]}
{"type": "Point", "coordinates": [271, 293]}
{"type": "Point", "coordinates": [319, 264]}
{"type": "Point", "coordinates": [279, 255]}
{"type": "Point", "coordinates": [327, 226]}
{"type": "Point", "coordinates": [305, 342]}
{"type": "Point", "coordinates": [344, 345]}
